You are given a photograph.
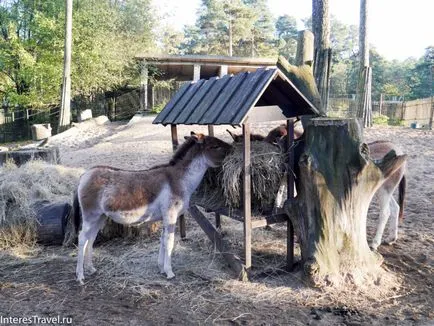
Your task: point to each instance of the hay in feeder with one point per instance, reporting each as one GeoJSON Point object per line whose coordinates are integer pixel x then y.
{"type": "Point", "coordinates": [224, 186]}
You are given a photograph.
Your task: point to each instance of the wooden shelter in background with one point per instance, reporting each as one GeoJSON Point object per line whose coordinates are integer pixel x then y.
{"type": "Point", "coordinates": [246, 98]}
{"type": "Point", "coordinates": [191, 67]}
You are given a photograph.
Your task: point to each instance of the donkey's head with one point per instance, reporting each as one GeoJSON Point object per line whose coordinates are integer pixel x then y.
{"type": "Point", "coordinates": [213, 149]}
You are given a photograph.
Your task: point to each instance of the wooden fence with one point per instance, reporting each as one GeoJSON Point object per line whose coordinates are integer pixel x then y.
{"type": "Point", "coordinates": [15, 123]}
{"type": "Point", "coordinates": [417, 111]}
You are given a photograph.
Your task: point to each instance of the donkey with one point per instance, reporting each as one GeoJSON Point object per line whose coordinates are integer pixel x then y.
{"type": "Point", "coordinates": [389, 208]}
{"type": "Point", "coordinates": [134, 197]}
{"type": "Point", "coordinates": [239, 138]}
{"type": "Point", "coordinates": [273, 137]}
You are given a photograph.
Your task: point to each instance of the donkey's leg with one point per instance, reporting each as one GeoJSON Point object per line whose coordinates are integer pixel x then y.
{"type": "Point", "coordinates": [169, 225]}
{"type": "Point", "coordinates": [393, 222]}
{"type": "Point", "coordinates": [82, 243]}
{"type": "Point", "coordinates": [383, 199]}
{"type": "Point", "coordinates": [88, 265]}
{"type": "Point", "coordinates": [83, 240]}
{"type": "Point", "coordinates": [161, 253]}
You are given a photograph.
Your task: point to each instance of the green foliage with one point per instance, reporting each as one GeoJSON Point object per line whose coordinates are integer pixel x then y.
{"type": "Point", "coordinates": [381, 119]}
{"type": "Point", "coordinates": [106, 37]}
{"type": "Point", "coordinates": [159, 107]}
{"type": "Point", "coordinates": [286, 30]}
{"type": "Point", "coordinates": [244, 27]}
{"type": "Point", "coordinates": [395, 122]}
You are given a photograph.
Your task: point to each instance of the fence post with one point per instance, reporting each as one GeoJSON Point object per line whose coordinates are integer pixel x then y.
{"type": "Point", "coordinates": [381, 103]}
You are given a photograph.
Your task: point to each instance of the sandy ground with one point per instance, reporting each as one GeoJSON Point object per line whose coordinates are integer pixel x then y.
{"type": "Point", "coordinates": [127, 290]}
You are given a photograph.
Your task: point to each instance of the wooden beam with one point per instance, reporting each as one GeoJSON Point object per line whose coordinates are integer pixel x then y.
{"type": "Point", "coordinates": [211, 130]}
{"type": "Point", "coordinates": [268, 220]}
{"type": "Point", "coordinates": [233, 260]}
{"type": "Point", "coordinates": [143, 86]}
{"type": "Point", "coordinates": [247, 198]}
{"type": "Point", "coordinates": [290, 192]}
{"type": "Point", "coordinates": [175, 144]}
{"type": "Point", "coordinates": [196, 72]}
{"type": "Point", "coordinates": [217, 220]}
{"type": "Point", "coordinates": [174, 132]}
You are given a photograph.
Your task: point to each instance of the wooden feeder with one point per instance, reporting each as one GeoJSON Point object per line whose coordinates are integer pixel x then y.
{"type": "Point", "coordinates": [244, 99]}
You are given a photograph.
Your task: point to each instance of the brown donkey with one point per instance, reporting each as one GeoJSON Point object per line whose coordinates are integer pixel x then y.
{"type": "Point", "coordinates": [133, 197]}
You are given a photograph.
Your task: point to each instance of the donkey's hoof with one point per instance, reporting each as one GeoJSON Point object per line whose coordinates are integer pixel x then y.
{"type": "Point", "coordinates": [91, 270]}
{"type": "Point", "coordinates": [390, 241]}
{"type": "Point", "coordinates": [170, 275]}
{"type": "Point", "coordinates": [80, 280]}
{"type": "Point", "coordinates": [373, 248]}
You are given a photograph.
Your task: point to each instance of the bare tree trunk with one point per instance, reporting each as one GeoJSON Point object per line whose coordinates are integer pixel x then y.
{"type": "Point", "coordinates": [65, 110]}
{"type": "Point", "coordinates": [322, 55]}
{"type": "Point", "coordinates": [364, 104]}
{"type": "Point", "coordinates": [336, 184]}
{"type": "Point", "coordinates": [230, 37]}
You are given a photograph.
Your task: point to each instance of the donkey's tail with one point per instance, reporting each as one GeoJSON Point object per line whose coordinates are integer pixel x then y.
{"type": "Point", "coordinates": [76, 212]}
{"type": "Point", "coordinates": [401, 196]}
{"type": "Point", "coordinates": [73, 223]}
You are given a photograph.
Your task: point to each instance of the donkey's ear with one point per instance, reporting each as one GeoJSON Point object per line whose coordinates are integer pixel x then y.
{"type": "Point", "coordinates": [232, 135]}
{"type": "Point", "coordinates": [198, 138]}
{"type": "Point", "coordinates": [192, 133]}
{"type": "Point", "coordinates": [187, 137]}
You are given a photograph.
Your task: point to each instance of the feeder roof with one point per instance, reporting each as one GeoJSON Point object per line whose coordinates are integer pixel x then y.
{"type": "Point", "coordinates": [235, 99]}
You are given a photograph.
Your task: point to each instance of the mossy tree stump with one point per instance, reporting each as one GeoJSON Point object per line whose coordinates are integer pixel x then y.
{"type": "Point", "coordinates": [337, 182]}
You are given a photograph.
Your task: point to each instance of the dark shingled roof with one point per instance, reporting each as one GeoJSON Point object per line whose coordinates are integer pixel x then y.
{"type": "Point", "coordinates": [227, 100]}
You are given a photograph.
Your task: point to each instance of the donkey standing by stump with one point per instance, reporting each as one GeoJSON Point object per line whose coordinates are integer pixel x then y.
{"type": "Point", "coordinates": [389, 209]}
{"type": "Point", "coordinates": [134, 197]}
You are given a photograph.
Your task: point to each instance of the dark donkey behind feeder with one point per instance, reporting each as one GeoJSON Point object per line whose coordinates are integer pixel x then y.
{"type": "Point", "coordinates": [274, 136]}
{"type": "Point", "coordinates": [133, 197]}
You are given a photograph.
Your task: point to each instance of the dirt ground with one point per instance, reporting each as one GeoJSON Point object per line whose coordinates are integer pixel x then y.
{"type": "Point", "coordinates": [128, 290]}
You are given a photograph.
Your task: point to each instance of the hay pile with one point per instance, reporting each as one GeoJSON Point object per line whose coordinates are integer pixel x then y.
{"type": "Point", "coordinates": [21, 187]}
{"type": "Point", "coordinates": [224, 186]}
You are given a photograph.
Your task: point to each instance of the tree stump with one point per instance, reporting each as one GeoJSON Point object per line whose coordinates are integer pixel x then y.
{"type": "Point", "coordinates": [337, 182]}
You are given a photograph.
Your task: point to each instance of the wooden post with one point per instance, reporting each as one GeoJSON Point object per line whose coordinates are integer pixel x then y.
{"type": "Point", "coordinates": [223, 70]}
{"type": "Point", "coordinates": [196, 72]}
{"type": "Point", "coordinates": [152, 100]}
{"type": "Point", "coordinates": [431, 116]}
{"type": "Point", "coordinates": [290, 194]}
{"type": "Point", "coordinates": [381, 103]}
{"type": "Point", "coordinates": [217, 220]}
{"type": "Point", "coordinates": [174, 132]}
{"type": "Point", "coordinates": [175, 143]}
{"type": "Point", "coordinates": [304, 48]}
{"type": "Point", "coordinates": [216, 238]}
{"type": "Point", "coordinates": [65, 109]}
{"type": "Point", "coordinates": [143, 86]}
{"type": "Point", "coordinates": [247, 197]}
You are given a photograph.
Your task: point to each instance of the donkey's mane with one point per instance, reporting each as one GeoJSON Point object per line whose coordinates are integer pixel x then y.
{"type": "Point", "coordinates": [379, 142]}
{"type": "Point", "coordinates": [182, 151]}
{"type": "Point", "coordinates": [178, 156]}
